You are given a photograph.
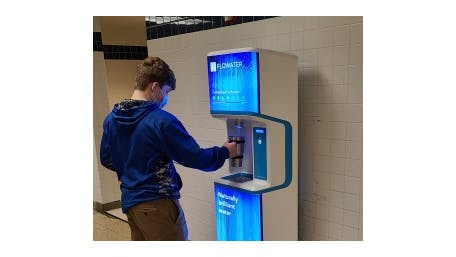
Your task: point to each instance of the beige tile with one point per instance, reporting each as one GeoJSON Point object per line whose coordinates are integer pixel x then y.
{"type": "Point", "coordinates": [351, 219]}
{"type": "Point", "coordinates": [341, 55]}
{"type": "Point", "coordinates": [353, 185]}
{"type": "Point", "coordinates": [326, 75]}
{"type": "Point", "coordinates": [342, 20]}
{"type": "Point", "coordinates": [336, 165]}
{"type": "Point", "coordinates": [355, 75]}
{"type": "Point", "coordinates": [323, 146]}
{"type": "Point", "coordinates": [356, 54]}
{"type": "Point", "coordinates": [335, 231]}
{"type": "Point", "coordinates": [297, 40]}
{"type": "Point", "coordinates": [356, 33]}
{"type": "Point", "coordinates": [311, 22]}
{"type": "Point", "coordinates": [321, 227]}
{"type": "Point", "coordinates": [333, 112]}
{"type": "Point", "coordinates": [339, 94]}
{"type": "Point", "coordinates": [351, 202]}
{"type": "Point", "coordinates": [341, 35]}
{"type": "Point", "coordinates": [325, 37]}
{"type": "Point", "coordinates": [336, 182]}
{"type": "Point", "coordinates": [297, 23]}
{"type": "Point", "coordinates": [308, 224]}
{"type": "Point", "coordinates": [349, 234]}
{"type": "Point", "coordinates": [356, 19]}
{"type": "Point", "coordinates": [354, 131]}
{"type": "Point", "coordinates": [338, 150]}
{"type": "Point", "coordinates": [309, 209]}
{"type": "Point", "coordinates": [326, 56]}
{"type": "Point", "coordinates": [336, 215]}
{"type": "Point", "coordinates": [325, 21]}
{"type": "Point", "coordinates": [354, 94]}
{"type": "Point", "coordinates": [353, 168]}
{"type": "Point", "coordinates": [321, 179]}
{"type": "Point", "coordinates": [360, 222]}
{"type": "Point", "coordinates": [354, 149]}
{"type": "Point", "coordinates": [326, 129]}
{"type": "Point", "coordinates": [336, 199]}
{"type": "Point", "coordinates": [321, 211]}
{"type": "Point", "coordinates": [341, 74]}
{"type": "Point", "coordinates": [354, 112]}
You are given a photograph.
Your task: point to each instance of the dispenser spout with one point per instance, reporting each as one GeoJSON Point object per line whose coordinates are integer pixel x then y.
{"type": "Point", "coordinates": [239, 124]}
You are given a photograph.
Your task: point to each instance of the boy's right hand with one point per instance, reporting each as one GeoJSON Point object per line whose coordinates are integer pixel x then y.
{"type": "Point", "coordinates": [231, 148]}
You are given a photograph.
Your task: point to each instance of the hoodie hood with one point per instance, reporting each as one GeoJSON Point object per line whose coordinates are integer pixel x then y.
{"type": "Point", "coordinates": [128, 113]}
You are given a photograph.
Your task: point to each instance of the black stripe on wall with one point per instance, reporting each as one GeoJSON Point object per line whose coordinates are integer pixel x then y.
{"type": "Point", "coordinates": [188, 24]}
{"type": "Point", "coordinates": [97, 42]}
{"type": "Point", "coordinates": [125, 52]}
{"type": "Point", "coordinates": [118, 52]}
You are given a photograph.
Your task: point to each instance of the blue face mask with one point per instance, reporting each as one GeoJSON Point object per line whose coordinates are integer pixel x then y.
{"type": "Point", "coordinates": [164, 101]}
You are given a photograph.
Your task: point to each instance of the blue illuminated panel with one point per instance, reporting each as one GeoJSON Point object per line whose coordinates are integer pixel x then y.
{"type": "Point", "coordinates": [259, 153]}
{"type": "Point", "coordinates": [233, 82]}
{"type": "Point", "coordinates": [237, 215]}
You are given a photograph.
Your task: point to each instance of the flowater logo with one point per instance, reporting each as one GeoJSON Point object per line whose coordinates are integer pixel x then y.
{"type": "Point", "coordinates": [228, 65]}
{"type": "Point", "coordinates": [213, 66]}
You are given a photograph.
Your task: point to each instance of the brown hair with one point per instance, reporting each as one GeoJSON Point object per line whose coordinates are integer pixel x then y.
{"type": "Point", "coordinates": [154, 69]}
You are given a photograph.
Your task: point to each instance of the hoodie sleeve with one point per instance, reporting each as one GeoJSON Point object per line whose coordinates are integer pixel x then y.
{"type": "Point", "coordinates": [105, 156]}
{"type": "Point", "coordinates": [183, 148]}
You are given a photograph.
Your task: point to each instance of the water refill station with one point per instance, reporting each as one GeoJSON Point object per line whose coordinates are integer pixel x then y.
{"type": "Point", "coordinates": [256, 92]}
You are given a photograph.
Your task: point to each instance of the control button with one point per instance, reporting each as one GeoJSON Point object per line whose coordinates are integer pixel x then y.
{"type": "Point", "coordinates": [260, 141]}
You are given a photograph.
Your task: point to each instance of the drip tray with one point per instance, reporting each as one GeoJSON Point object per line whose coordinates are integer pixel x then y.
{"type": "Point", "coordinates": [239, 177]}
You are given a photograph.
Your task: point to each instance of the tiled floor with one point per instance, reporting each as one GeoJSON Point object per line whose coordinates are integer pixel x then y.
{"type": "Point", "coordinates": [107, 228]}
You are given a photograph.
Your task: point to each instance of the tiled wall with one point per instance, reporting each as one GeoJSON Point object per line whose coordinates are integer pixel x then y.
{"type": "Point", "coordinates": [330, 116]}
{"type": "Point", "coordinates": [166, 26]}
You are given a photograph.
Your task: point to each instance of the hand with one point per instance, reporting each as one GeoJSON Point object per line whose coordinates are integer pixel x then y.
{"type": "Point", "coordinates": [231, 148]}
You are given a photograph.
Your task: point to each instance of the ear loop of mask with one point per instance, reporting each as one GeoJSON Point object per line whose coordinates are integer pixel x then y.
{"type": "Point", "coordinates": [164, 100]}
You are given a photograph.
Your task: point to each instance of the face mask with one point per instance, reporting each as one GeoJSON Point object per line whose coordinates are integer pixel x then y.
{"type": "Point", "coordinates": [164, 101]}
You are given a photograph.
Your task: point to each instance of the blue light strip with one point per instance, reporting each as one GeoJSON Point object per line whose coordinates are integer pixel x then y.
{"type": "Point", "coordinates": [288, 147]}
{"type": "Point", "coordinates": [260, 160]}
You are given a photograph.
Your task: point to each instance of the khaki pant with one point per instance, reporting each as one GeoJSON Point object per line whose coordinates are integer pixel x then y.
{"type": "Point", "coordinates": [161, 219]}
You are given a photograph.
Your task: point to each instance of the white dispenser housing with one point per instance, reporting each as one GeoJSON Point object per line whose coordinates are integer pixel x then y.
{"type": "Point", "coordinates": [256, 92]}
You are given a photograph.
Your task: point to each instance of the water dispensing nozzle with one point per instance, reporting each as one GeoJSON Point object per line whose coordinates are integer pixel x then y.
{"type": "Point", "coordinates": [238, 124]}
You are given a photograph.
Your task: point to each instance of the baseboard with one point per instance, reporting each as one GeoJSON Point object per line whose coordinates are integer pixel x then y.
{"type": "Point", "coordinates": [103, 207]}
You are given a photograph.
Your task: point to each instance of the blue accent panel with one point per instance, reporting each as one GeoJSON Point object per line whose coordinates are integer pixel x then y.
{"type": "Point", "coordinates": [288, 146]}
{"type": "Point", "coordinates": [233, 82]}
{"type": "Point", "coordinates": [238, 214]}
{"type": "Point", "coordinates": [259, 153]}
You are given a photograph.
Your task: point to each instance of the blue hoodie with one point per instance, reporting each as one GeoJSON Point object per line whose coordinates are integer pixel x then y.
{"type": "Point", "coordinates": [140, 142]}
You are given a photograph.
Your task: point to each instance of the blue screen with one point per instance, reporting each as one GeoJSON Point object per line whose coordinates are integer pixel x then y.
{"type": "Point", "coordinates": [233, 82]}
{"type": "Point", "coordinates": [237, 215]}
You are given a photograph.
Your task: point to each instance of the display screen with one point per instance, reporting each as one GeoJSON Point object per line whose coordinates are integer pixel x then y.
{"type": "Point", "coordinates": [237, 215]}
{"type": "Point", "coordinates": [233, 82]}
